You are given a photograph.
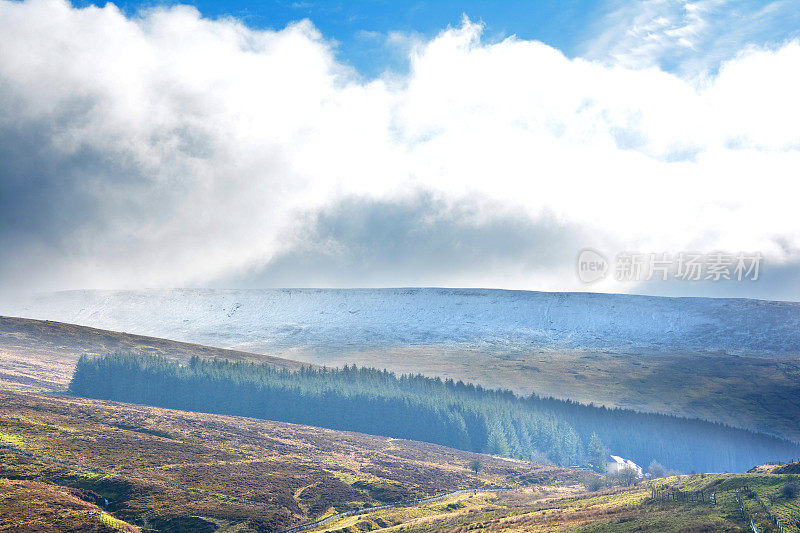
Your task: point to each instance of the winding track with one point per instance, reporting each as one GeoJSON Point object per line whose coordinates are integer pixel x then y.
{"type": "Point", "coordinates": [337, 516]}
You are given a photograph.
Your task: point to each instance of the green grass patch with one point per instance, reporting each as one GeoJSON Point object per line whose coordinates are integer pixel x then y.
{"type": "Point", "coordinates": [10, 438]}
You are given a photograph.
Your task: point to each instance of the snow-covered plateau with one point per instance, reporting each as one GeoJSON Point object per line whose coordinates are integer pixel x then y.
{"type": "Point", "coordinates": [492, 320]}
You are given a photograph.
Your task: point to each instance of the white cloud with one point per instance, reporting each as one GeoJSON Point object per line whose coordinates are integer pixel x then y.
{"type": "Point", "coordinates": [692, 37]}
{"type": "Point", "coordinates": [642, 34]}
{"type": "Point", "coordinates": [170, 150]}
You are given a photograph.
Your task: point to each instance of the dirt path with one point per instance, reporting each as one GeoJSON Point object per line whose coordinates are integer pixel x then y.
{"type": "Point", "coordinates": [359, 512]}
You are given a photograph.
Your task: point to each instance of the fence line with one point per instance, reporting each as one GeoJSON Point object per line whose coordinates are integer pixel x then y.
{"type": "Point", "coordinates": [772, 517]}
{"type": "Point", "coordinates": [665, 494]}
{"type": "Point", "coordinates": [670, 494]}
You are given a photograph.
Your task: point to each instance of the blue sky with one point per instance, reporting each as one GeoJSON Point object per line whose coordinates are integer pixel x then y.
{"type": "Point", "coordinates": [231, 144]}
{"type": "Point", "coordinates": [588, 28]}
{"type": "Point", "coordinates": [360, 27]}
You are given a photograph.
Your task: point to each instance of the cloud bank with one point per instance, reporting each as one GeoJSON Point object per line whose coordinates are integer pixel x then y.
{"type": "Point", "coordinates": [172, 150]}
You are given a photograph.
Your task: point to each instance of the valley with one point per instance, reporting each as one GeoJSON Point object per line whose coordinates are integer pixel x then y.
{"type": "Point", "coordinates": [168, 470]}
{"type": "Point", "coordinates": [70, 464]}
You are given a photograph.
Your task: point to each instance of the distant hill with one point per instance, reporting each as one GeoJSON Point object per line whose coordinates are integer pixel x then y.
{"type": "Point", "coordinates": [330, 319]}
{"type": "Point", "coordinates": [41, 355]}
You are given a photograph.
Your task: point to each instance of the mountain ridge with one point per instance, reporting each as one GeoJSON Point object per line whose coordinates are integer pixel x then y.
{"type": "Point", "coordinates": [492, 319]}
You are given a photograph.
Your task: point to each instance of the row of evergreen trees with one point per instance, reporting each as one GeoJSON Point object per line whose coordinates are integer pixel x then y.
{"type": "Point", "coordinates": [415, 407]}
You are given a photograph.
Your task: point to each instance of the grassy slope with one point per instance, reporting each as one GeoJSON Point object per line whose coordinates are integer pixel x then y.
{"type": "Point", "coordinates": [614, 510]}
{"type": "Point", "coordinates": [257, 475]}
{"type": "Point", "coordinates": [38, 355]}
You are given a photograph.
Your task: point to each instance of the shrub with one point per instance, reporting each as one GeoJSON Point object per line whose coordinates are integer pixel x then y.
{"type": "Point", "coordinates": [790, 490]}
{"type": "Point", "coordinates": [594, 485]}
{"type": "Point", "coordinates": [656, 469]}
{"type": "Point", "coordinates": [475, 466]}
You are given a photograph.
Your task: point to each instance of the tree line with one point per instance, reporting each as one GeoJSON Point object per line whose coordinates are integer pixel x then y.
{"type": "Point", "coordinates": [452, 413]}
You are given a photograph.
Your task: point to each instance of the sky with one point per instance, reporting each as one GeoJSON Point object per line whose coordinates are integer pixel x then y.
{"type": "Point", "coordinates": [385, 144]}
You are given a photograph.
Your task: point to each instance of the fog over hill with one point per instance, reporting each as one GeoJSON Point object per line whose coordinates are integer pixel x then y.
{"type": "Point", "coordinates": [491, 320]}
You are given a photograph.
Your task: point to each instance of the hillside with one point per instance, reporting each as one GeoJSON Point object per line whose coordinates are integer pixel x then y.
{"type": "Point", "coordinates": [39, 355]}
{"type": "Point", "coordinates": [61, 458]}
{"type": "Point", "coordinates": [453, 414]}
{"type": "Point", "coordinates": [169, 470]}
{"type": "Point", "coordinates": [728, 360]}
{"type": "Point", "coordinates": [694, 503]}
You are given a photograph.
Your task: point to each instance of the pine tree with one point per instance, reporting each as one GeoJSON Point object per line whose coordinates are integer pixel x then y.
{"type": "Point", "coordinates": [597, 453]}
